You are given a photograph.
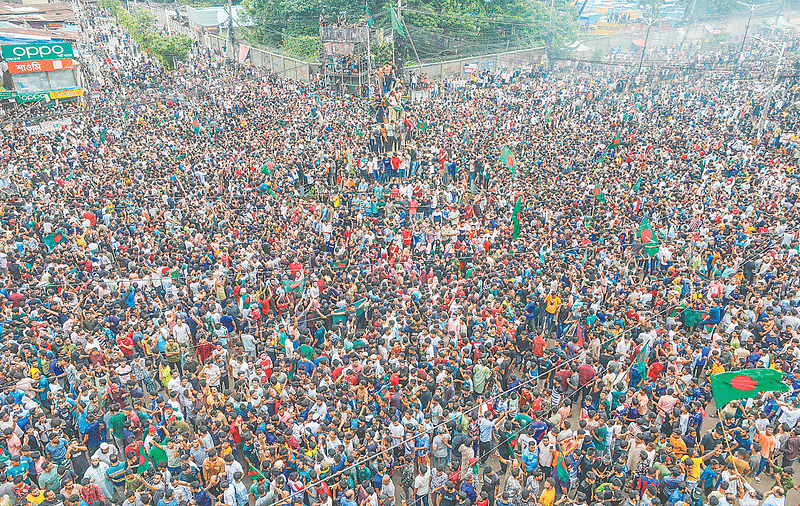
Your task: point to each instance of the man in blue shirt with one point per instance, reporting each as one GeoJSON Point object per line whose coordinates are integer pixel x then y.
{"type": "Point", "coordinates": [92, 436]}
{"type": "Point", "coordinates": [486, 429]}
{"type": "Point", "coordinates": [169, 499]}
{"type": "Point", "coordinates": [201, 497]}
{"type": "Point", "coordinates": [18, 468]}
{"type": "Point", "coordinates": [57, 448]}
{"type": "Point", "coordinates": [422, 443]}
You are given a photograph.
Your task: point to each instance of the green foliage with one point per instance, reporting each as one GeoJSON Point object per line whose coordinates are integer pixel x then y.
{"type": "Point", "coordinates": [139, 23]}
{"type": "Point", "coordinates": [381, 49]}
{"type": "Point", "coordinates": [439, 28]}
{"type": "Point", "coordinates": [306, 47]}
{"type": "Point", "coordinates": [712, 9]}
{"type": "Point", "coordinates": [651, 8]}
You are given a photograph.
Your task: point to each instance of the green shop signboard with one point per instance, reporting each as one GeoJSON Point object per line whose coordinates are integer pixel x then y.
{"type": "Point", "coordinates": [34, 52]}
{"type": "Point", "coordinates": [33, 97]}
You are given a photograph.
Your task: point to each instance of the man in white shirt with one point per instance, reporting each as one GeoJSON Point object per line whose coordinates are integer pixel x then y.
{"type": "Point", "coordinates": [105, 452]}
{"type": "Point", "coordinates": [422, 484]}
{"type": "Point", "coordinates": [182, 332]}
{"type": "Point", "coordinates": [791, 413]}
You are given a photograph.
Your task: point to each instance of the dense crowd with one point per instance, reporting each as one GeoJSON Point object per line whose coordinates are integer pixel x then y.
{"type": "Point", "coordinates": [238, 289]}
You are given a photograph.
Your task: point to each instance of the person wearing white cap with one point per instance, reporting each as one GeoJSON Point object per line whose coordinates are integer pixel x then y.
{"type": "Point", "coordinates": [105, 452]}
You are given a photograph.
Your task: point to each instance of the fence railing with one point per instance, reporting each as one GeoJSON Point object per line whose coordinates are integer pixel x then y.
{"type": "Point", "coordinates": [517, 59]}
{"type": "Point", "coordinates": [283, 65]}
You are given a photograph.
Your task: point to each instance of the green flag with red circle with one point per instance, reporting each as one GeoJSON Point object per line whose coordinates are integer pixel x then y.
{"type": "Point", "coordinates": [507, 158]}
{"type": "Point", "coordinates": [54, 239]}
{"type": "Point", "coordinates": [745, 384]}
{"type": "Point", "coordinates": [648, 237]}
{"type": "Point", "coordinates": [599, 195]}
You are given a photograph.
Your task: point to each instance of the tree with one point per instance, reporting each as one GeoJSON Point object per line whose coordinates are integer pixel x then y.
{"type": "Point", "coordinates": [438, 28]}
{"type": "Point", "coordinates": [166, 48]}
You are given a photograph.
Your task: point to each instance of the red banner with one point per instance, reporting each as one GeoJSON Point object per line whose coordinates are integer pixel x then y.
{"type": "Point", "coordinates": [24, 67]}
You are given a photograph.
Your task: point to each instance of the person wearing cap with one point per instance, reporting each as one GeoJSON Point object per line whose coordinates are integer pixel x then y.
{"type": "Point", "coordinates": [105, 452]}
{"type": "Point", "coordinates": [96, 473]}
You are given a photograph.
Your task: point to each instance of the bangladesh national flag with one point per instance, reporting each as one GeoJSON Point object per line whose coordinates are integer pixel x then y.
{"type": "Point", "coordinates": [692, 317]}
{"type": "Point", "coordinates": [517, 212]}
{"type": "Point", "coordinates": [268, 167]}
{"type": "Point", "coordinates": [294, 286]}
{"type": "Point", "coordinates": [507, 158]}
{"type": "Point", "coordinates": [196, 125]}
{"type": "Point", "coordinates": [55, 238]}
{"type": "Point", "coordinates": [599, 195]}
{"type": "Point", "coordinates": [745, 384]}
{"type": "Point", "coordinates": [616, 141]}
{"type": "Point", "coordinates": [370, 21]}
{"type": "Point", "coordinates": [641, 361]}
{"type": "Point", "coordinates": [338, 264]}
{"type": "Point", "coordinates": [648, 237]}
{"type": "Point", "coordinates": [422, 126]}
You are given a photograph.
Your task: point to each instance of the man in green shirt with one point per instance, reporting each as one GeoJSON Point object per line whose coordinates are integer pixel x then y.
{"type": "Point", "coordinates": [115, 422]}
{"type": "Point", "coordinates": [49, 479]}
{"type": "Point", "coordinates": [173, 352]}
{"type": "Point", "coordinates": [480, 373]}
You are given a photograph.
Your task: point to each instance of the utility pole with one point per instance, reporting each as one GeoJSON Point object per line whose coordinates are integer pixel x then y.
{"type": "Point", "coordinates": [550, 34]}
{"type": "Point", "coordinates": [231, 37]}
{"type": "Point", "coordinates": [752, 8]}
{"type": "Point", "coordinates": [689, 18]}
{"type": "Point", "coordinates": [774, 82]}
{"type": "Point", "coordinates": [650, 22]}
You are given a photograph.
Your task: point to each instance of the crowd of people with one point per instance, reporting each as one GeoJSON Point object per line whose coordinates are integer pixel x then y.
{"type": "Point", "coordinates": [224, 291]}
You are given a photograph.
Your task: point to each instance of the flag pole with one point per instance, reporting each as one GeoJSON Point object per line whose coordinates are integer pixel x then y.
{"type": "Point", "coordinates": [728, 444]}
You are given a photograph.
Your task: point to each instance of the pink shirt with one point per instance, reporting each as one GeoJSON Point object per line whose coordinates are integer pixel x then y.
{"type": "Point", "coordinates": [14, 445]}
{"type": "Point", "coordinates": [666, 403]}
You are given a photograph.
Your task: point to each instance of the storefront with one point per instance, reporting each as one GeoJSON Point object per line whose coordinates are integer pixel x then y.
{"type": "Point", "coordinates": [42, 71]}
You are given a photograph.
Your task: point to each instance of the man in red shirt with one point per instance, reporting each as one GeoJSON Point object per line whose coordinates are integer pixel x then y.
{"type": "Point", "coordinates": [538, 345]}
{"type": "Point", "coordinates": [296, 267]}
{"type": "Point", "coordinates": [586, 375]}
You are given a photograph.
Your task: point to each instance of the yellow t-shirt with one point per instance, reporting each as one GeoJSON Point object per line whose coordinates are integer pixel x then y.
{"type": "Point", "coordinates": [552, 303]}
{"type": "Point", "coordinates": [35, 499]}
{"type": "Point", "coordinates": [548, 497]}
{"type": "Point", "coordinates": [678, 447]}
{"type": "Point", "coordinates": [697, 469]}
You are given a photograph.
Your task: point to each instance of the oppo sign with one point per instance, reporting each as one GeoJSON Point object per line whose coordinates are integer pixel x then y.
{"type": "Point", "coordinates": [33, 52]}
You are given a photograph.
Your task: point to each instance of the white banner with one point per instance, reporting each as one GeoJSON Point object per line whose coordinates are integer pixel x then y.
{"type": "Point", "coordinates": [46, 127]}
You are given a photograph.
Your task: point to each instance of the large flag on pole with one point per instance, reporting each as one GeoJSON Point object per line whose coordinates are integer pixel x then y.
{"type": "Point", "coordinates": [745, 384]}
{"type": "Point", "coordinates": [370, 21]}
{"type": "Point", "coordinates": [397, 26]}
